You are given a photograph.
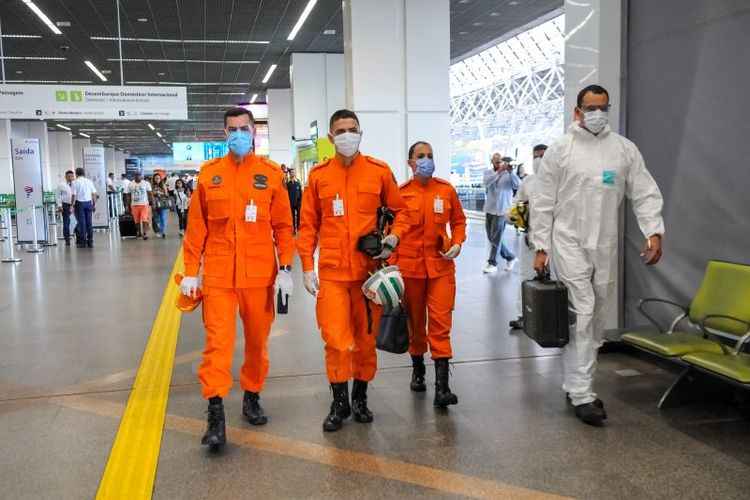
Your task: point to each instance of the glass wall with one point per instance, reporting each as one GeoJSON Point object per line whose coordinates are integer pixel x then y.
{"type": "Point", "coordinates": [506, 99]}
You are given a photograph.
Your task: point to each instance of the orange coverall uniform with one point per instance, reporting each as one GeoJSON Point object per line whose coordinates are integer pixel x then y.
{"type": "Point", "coordinates": [341, 311]}
{"type": "Point", "coordinates": [238, 245]}
{"type": "Point", "coordinates": [429, 278]}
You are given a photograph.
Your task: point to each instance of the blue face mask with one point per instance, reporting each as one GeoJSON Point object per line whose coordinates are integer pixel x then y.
{"type": "Point", "coordinates": [425, 167]}
{"type": "Point", "coordinates": [240, 142]}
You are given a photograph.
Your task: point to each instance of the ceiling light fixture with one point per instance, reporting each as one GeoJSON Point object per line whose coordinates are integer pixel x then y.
{"type": "Point", "coordinates": [84, 135]}
{"type": "Point", "coordinates": [33, 58]}
{"type": "Point", "coordinates": [301, 20]}
{"type": "Point", "coordinates": [95, 70]}
{"type": "Point", "coordinates": [197, 61]}
{"type": "Point", "coordinates": [270, 72]}
{"type": "Point", "coordinates": [63, 127]}
{"type": "Point", "coordinates": [158, 134]}
{"type": "Point", "coordinates": [253, 98]}
{"type": "Point", "coordinates": [151, 126]}
{"type": "Point", "coordinates": [142, 20]}
{"type": "Point", "coordinates": [22, 36]}
{"type": "Point", "coordinates": [174, 40]}
{"type": "Point", "coordinates": [41, 15]}
{"type": "Point", "coordinates": [216, 93]}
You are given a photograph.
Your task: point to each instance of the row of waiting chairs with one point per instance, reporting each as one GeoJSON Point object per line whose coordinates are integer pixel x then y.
{"type": "Point", "coordinates": [714, 343]}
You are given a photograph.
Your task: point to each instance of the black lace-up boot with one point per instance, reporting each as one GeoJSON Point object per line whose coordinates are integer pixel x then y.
{"type": "Point", "coordinates": [417, 374]}
{"type": "Point", "coordinates": [252, 410]}
{"type": "Point", "coordinates": [216, 435]}
{"type": "Point", "coordinates": [362, 413]}
{"type": "Point", "coordinates": [340, 409]}
{"type": "Point", "coordinates": [443, 394]}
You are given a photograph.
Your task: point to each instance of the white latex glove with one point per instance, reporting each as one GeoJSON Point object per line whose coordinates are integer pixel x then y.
{"type": "Point", "coordinates": [452, 252]}
{"type": "Point", "coordinates": [312, 284]}
{"type": "Point", "coordinates": [284, 282]}
{"type": "Point", "coordinates": [189, 286]}
{"type": "Point", "coordinates": [389, 243]}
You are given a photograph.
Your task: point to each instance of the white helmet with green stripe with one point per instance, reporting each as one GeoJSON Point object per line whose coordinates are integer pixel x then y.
{"type": "Point", "coordinates": [385, 287]}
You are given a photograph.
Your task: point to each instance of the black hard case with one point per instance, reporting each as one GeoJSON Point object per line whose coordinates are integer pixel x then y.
{"type": "Point", "coordinates": [127, 225]}
{"type": "Point", "coordinates": [545, 312]}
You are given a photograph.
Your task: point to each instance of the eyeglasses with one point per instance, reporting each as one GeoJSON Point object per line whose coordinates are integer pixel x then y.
{"type": "Point", "coordinates": [244, 128]}
{"type": "Point", "coordinates": [603, 107]}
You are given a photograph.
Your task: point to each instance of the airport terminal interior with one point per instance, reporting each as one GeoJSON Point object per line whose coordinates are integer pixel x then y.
{"type": "Point", "coordinates": [111, 373]}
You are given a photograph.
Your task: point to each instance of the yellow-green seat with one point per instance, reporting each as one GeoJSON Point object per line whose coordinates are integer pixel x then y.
{"type": "Point", "coordinates": [735, 367]}
{"type": "Point", "coordinates": [672, 345]}
{"type": "Point", "coordinates": [725, 291]}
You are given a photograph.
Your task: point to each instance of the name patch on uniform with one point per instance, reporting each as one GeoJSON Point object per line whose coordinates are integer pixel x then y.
{"type": "Point", "coordinates": [216, 180]}
{"type": "Point", "coordinates": [260, 181]}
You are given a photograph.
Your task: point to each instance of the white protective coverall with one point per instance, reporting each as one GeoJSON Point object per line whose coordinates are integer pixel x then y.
{"type": "Point", "coordinates": [575, 214]}
{"type": "Point", "coordinates": [526, 253]}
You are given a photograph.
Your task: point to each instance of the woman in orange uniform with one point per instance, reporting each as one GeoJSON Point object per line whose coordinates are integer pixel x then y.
{"type": "Point", "coordinates": [425, 258]}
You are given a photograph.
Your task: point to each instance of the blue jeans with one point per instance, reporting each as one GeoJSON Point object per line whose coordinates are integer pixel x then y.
{"type": "Point", "coordinates": [161, 215]}
{"type": "Point", "coordinates": [85, 230]}
{"type": "Point", "coordinates": [495, 226]}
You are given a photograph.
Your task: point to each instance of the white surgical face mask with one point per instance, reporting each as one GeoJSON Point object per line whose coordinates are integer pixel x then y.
{"type": "Point", "coordinates": [596, 120]}
{"type": "Point", "coordinates": [347, 143]}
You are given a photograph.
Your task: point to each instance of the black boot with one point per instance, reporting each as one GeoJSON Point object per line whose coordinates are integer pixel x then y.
{"type": "Point", "coordinates": [340, 408]}
{"type": "Point", "coordinates": [443, 394]}
{"type": "Point", "coordinates": [591, 413]}
{"type": "Point", "coordinates": [361, 412]}
{"type": "Point", "coordinates": [417, 374]}
{"type": "Point", "coordinates": [252, 410]}
{"type": "Point", "coordinates": [215, 436]}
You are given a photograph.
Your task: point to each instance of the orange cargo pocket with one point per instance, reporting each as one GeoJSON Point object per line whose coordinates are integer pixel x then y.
{"type": "Point", "coordinates": [330, 253]}
{"type": "Point", "coordinates": [368, 197]}
{"type": "Point", "coordinates": [217, 266]}
{"type": "Point", "coordinates": [260, 260]}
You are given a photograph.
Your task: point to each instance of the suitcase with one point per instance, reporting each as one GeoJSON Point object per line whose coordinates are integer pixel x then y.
{"type": "Point", "coordinates": [393, 332]}
{"type": "Point", "coordinates": [127, 226]}
{"type": "Point", "coordinates": [545, 311]}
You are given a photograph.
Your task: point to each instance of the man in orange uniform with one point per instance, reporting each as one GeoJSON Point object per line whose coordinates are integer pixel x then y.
{"type": "Point", "coordinates": [239, 220]}
{"type": "Point", "coordinates": [425, 258]}
{"type": "Point", "coordinates": [340, 206]}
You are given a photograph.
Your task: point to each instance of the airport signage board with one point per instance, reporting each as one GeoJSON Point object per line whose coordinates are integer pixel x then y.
{"type": "Point", "coordinates": [29, 192]}
{"type": "Point", "coordinates": [94, 165]}
{"type": "Point", "coordinates": [95, 102]}
{"type": "Point", "coordinates": [132, 167]}
{"type": "Point", "coordinates": [198, 151]}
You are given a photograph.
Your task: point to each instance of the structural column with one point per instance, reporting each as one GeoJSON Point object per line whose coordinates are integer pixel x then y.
{"type": "Point", "coordinates": [317, 90]}
{"type": "Point", "coordinates": [397, 61]}
{"type": "Point", "coordinates": [280, 125]}
{"type": "Point", "coordinates": [78, 144]}
{"type": "Point", "coordinates": [61, 155]}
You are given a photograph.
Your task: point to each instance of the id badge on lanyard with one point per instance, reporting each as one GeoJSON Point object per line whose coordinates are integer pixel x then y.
{"type": "Point", "coordinates": [338, 206]}
{"type": "Point", "coordinates": [251, 212]}
{"type": "Point", "coordinates": [438, 207]}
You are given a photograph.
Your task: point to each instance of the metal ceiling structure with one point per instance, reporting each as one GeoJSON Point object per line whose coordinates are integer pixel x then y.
{"type": "Point", "coordinates": [221, 50]}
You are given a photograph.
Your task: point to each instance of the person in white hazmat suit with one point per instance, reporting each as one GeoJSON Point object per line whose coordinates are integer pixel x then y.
{"type": "Point", "coordinates": [524, 195]}
{"type": "Point", "coordinates": [583, 179]}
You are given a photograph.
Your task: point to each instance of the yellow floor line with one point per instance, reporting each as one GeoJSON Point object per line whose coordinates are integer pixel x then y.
{"type": "Point", "coordinates": [131, 467]}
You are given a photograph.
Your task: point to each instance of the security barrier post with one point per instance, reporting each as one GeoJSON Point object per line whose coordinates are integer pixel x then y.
{"type": "Point", "coordinates": [11, 253]}
{"type": "Point", "coordinates": [35, 247]}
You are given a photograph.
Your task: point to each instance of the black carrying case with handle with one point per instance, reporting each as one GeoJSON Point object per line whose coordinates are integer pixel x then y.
{"type": "Point", "coordinates": [545, 311]}
{"type": "Point", "coordinates": [393, 331]}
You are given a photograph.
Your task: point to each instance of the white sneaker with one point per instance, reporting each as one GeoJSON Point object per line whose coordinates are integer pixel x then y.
{"type": "Point", "coordinates": [489, 269]}
{"type": "Point", "coordinates": [510, 264]}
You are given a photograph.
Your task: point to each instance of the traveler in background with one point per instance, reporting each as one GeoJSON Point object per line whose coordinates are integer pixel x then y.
{"type": "Point", "coordinates": [181, 202]}
{"type": "Point", "coordinates": [64, 200]}
{"type": "Point", "coordinates": [425, 259]}
{"type": "Point", "coordinates": [575, 214]}
{"type": "Point", "coordinates": [161, 200]}
{"type": "Point", "coordinates": [111, 183]}
{"type": "Point", "coordinates": [139, 199]}
{"type": "Point", "coordinates": [294, 186]}
{"type": "Point", "coordinates": [84, 198]}
{"type": "Point", "coordinates": [499, 184]}
{"type": "Point", "coordinates": [122, 187]}
{"type": "Point", "coordinates": [170, 182]}
{"type": "Point", "coordinates": [525, 195]}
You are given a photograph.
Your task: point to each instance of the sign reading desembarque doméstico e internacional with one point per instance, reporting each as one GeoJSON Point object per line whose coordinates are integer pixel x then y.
{"type": "Point", "coordinates": [90, 102]}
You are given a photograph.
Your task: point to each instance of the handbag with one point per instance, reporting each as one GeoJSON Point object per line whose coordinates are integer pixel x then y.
{"type": "Point", "coordinates": [393, 333]}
